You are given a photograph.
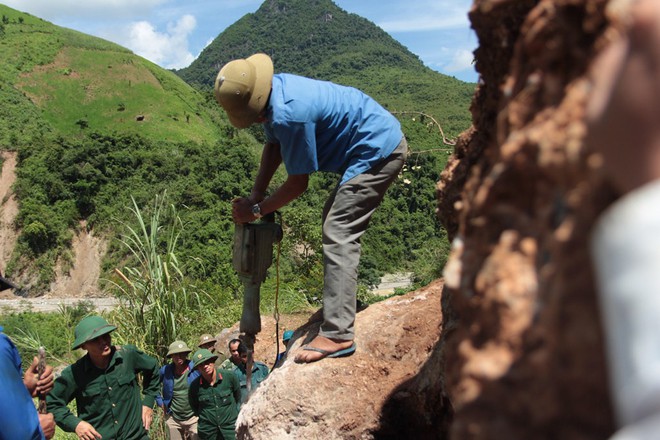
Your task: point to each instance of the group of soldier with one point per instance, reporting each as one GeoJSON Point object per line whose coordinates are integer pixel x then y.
{"type": "Point", "coordinates": [200, 397]}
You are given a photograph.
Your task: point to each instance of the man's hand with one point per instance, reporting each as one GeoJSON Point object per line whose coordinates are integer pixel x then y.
{"type": "Point", "coordinates": [147, 417]}
{"type": "Point", "coordinates": [241, 210]}
{"type": "Point", "coordinates": [85, 431]}
{"type": "Point", "coordinates": [41, 386]}
{"type": "Point", "coordinates": [47, 422]}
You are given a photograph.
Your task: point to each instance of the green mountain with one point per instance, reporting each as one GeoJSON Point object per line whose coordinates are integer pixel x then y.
{"type": "Point", "coordinates": [62, 81]}
{"type": "Point", "coordinates": [94, 125]}
{"type": "Point", "coordinates": [316, 38]}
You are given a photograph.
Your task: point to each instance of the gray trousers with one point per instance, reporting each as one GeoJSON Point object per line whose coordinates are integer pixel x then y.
{"type": "Point", "coordinates": [345, 218]}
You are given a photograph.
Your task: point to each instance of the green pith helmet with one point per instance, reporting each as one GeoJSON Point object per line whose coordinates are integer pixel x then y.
{"type": "Point", "coordinates": [90, 328]}
{"type": "Point", "coordinates": [202, 355]}
{"type": "Point", "coordinates": [178, 347]}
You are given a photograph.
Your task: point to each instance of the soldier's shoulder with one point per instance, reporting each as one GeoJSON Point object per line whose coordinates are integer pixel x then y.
{"type": "Point", "coordinates": [227, 372]}
{"type": "Point", "coordinates": [128, 348]}
{"type": "Point", "coordinates": [262, 366]}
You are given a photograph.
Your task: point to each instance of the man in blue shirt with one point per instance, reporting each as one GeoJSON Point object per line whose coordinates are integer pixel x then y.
{"type": "Point", "coordinates": [176, 376]}
{"type": "Point", "coordinates": [281, 357]}
{"type": "Point", "coordinates": [18, 416]}
{"type": "Point", "coordinates": [313, 126]}
{"type": "Point", "coordinates": [259, 372]}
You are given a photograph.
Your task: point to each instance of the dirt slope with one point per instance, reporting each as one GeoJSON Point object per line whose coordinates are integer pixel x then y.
{"type": "Point", "coordinates": [81, 280]}
{"type": "Point", "coordinates": [76, 280]}
{"type": "Point", "coordinates": [8, 208]}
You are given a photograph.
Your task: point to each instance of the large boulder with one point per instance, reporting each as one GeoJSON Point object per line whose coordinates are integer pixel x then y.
{"type": "Point", "coordinates": [390, 378]}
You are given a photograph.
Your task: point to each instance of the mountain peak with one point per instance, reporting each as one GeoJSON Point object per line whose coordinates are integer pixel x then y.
{"type": "Point", "coordinates": [313, 38]}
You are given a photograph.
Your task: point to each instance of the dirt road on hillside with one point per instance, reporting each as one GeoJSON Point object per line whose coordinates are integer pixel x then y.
{"type": "Point", "coordinates": [52, 303]}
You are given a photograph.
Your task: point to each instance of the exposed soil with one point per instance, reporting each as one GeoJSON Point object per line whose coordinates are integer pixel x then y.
{"type": "Point", "coordinates": [8, 208]}
{"type": "Point", "coordinates": [81, 280]}
{"type": "Point", "coordinates": [74, 281]}
{"type": "Point", "coordinates": [525, 359]}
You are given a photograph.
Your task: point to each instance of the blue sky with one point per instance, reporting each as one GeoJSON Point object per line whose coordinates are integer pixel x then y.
{"type": "Point", "coordinates": [172, 33]}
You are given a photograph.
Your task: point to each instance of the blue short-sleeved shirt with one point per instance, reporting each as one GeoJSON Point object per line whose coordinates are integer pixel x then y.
{"type": "Point", "coordinates": [322, 126]}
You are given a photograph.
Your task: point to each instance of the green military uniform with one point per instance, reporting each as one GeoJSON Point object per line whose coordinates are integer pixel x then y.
{"type": "Point", "coordinates": [227, 364]}
{"type": "Point", "coordinates": [216, 405]}
{"type": "Point", "coordinates": [107, 399]}
{"type": "Point", "coordinates": [222, 358]}
{"type": "Point", "coordinates": [259, 374]}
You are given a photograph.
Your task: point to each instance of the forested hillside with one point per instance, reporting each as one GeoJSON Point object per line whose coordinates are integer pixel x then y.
{"type": "Point", "coordinates": [96, 126]}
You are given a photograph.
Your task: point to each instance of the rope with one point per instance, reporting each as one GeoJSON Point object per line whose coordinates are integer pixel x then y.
{"type": "Point", "coordinates": [444, 138]}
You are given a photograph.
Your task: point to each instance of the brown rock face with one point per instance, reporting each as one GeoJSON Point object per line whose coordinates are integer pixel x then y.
{"type": "Point", "coordinates": [378, 392]}
{"type": "Point", "coordinates": [523, 348]}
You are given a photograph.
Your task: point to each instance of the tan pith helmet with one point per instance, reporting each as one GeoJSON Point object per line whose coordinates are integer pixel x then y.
{"type": "Point", "coordinates": [205, 339]}
{"type": "Point", "coordinates": [242, 88]}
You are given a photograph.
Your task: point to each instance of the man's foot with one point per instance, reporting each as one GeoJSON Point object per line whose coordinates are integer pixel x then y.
{"type": "Point", "coordinates": [322, 347]}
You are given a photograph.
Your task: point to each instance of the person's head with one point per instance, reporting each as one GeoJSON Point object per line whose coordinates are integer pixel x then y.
{"type": "Point", "coordinates": [286, 336]}
{"type": "Point", "coordinates": [178, 352]}
{"type": "Point", "coordinates": [233, 351]}
{"type": "Point", "coordinates": [242, 88]}
{"type": "Point", "coordinates": [208, 342]}
{"type": "Point", "coordinates": [204, 362]}
{"type": "Point", "coordinates": [242, 353]}
{"type": "Point", "coordinates": [93, 334]}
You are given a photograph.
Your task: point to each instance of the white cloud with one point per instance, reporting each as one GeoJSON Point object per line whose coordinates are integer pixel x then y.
{"type": "Point", "coordinates": [168, 49]}
{"type": "Point", "coordinates": [462, 60]}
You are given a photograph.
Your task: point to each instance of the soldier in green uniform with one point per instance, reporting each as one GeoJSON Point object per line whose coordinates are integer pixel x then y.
{"type": "Point", "coordinates": [259, 372]}
{"type": "Point", "coordinates": [105, 387]}
{"type": "Point", "coordinates": [214, 398]}
{"type": "Point", "coordinates": [233, 359]}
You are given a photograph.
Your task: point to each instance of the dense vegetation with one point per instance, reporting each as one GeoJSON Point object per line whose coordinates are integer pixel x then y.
{"type": "Point", "coordinates": [68, 106]}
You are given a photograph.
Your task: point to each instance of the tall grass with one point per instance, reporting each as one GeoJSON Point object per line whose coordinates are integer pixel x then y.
{"type": "Point", "coordinates": [156, 301]}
